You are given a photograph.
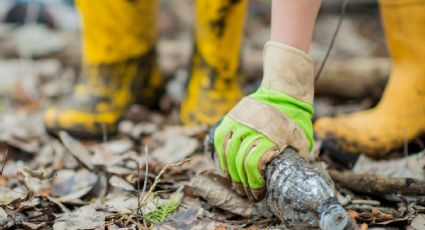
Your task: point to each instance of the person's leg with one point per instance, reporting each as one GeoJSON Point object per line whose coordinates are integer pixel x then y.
{"type": "Point", "coordinates": [400, 115]}
{"type": "Point", "coordinates": [119, 66]}
{"type": "Point", "coordinates": [292, 22]}
{"type": "Point", "coordinates": [214, 82]}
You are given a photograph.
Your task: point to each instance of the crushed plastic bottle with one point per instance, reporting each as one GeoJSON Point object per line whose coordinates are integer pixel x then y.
{"type": "Point", "coordinates": [302, 196]}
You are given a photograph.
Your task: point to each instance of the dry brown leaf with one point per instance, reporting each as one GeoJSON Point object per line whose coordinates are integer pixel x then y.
{"type": "Point", "coordinates": [406, 167]}
{"type": "Point", "coordinates": [46, 192]}
{"type": "Point", "coordinates": [85, 217]}
{"type": "Point", "coordinates": [417, 223]}
{"type": "Point", "coordinates": [118, 182]}
{"type": "Point", "coordinates": [353, 214]}
{"type": "Point", "coordinates": [3, 181]}
{"type": "Point", "coordinates": [32, 225]}
{"type": "Point", "coordinates": [216, 190]}
{"type": "Point", "coordinates": [77, 149]}
{"type": "Point", "coordinates": [3, 217]}
{"type": "Point", "coordinates": [220, 227]}
{"type": "Point", "coordinates": [382, 216]}
{"type": "Point", "coordinates": [175, 149]}
{"type": "Point", "coordinates": [69, 184]}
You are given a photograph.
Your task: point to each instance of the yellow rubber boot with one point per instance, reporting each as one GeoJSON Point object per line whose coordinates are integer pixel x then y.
{"type": "Point", "coordinates": [214, 85]}
{"type": "Point", "coordinates": [400, 115]}
{"type": "Point", "coordinates": [119, 67]}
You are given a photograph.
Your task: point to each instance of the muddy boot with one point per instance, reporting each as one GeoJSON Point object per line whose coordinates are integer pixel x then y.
{"type": "Point", "coordinates": [119, 68]}
{"type": "Point", "coordinates": [400, 115]}
{"type": "Point", "coordinates": [214, 84]}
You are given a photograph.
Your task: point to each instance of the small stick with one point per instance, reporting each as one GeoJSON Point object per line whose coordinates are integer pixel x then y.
{"type": "Point", "coordinates": [138, 189]}
{"type": "Point", "coordinates": [3, 163]}
{"type": "Point", "coordinates": [158, 178]}
{"type": "Point", "coordinates": [145, 182]}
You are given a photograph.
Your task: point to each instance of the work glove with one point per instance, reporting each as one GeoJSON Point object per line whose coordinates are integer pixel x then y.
{"type": "Point", "coordinates": [263, 124]}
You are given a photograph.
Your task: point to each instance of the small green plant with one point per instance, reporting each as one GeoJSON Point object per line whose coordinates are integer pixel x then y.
{"type": "Point", "coordinates": [164, 208]}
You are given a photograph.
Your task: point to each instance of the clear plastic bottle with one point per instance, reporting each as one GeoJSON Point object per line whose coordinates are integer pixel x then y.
{"type": "Point", "coordinates": [302, 196]}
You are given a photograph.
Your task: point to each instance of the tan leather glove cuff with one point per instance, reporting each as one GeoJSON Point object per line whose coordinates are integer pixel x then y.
{"type": "Point", "coordinates": [288, 70]}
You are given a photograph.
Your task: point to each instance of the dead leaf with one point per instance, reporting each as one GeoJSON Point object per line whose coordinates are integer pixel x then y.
{"type": "Point", "coordinates": [33, 180]}
{"type": "Point", "coordinates": [29, 146]}
{"type": "Point", "coordinates": [175, 149]}
{"type": "Point", "coordinates": [77, 149]}
{"type": "Point", "coordinates": [181, 131]}
{"type": "Point", "coordinates": [85, 217]}
{"type": "Point", "coordinates": [119, 170]}
{"type": "Point", "coordinates": [353, 214]}
{"type": "Point", "coordinates": [186, 219]}
{"type": "Point", "coordinates": [69, 185]}
{"type": "Point", "coordinates": [32, 225]}
{"type": "Point", "coordinates": [3, 217]}
{"type": "Point", "coordinates": [3, 181]}
{"type": "Point", "coordinates": [406, 167]}
{"type": "Point", "coordinates": [100, 189]}
{"type": "Point", "coordinates": [122, 204]}
{"type": "Point", "coordinates": [115, 147]}
{"type": "Point", "coordinates": [143, 129]}
{"type": "Point", "coordinates": [216, 190]}
{"type": "Point", "coordinates": [418, 223]}
{"type": "Point", "coordinates": [118, 182]}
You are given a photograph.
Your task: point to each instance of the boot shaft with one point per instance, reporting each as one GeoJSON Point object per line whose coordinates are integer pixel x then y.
{"type": "Point", "coordinates": [404, 24]}
{"type": "Point", "coordinates": [117, 30]}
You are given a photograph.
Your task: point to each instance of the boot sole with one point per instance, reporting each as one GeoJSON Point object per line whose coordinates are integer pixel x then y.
{"type": "Point", "coordinates": [79, 134]}
{"type": "Point", "coordinates": [344, 158]}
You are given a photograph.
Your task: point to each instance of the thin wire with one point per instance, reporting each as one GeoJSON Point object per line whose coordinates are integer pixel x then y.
{"type": "Point", "coordinates": [328, 52]}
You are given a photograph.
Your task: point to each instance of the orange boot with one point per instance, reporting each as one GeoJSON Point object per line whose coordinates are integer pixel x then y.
{"type": "Point", "coordinates": [400, 115]}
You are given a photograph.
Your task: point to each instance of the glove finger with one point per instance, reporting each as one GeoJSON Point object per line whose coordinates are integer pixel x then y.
{"type": "Point", "coordinates": [231, 152]}
{"type": "Point", "coordinates": [255, 167]}
{"type": "Point", "coordinates": [222, 133]}
{"type": "Point", "coordinates": [248, 143]}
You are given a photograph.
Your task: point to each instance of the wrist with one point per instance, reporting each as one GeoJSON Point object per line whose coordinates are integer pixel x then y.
{"type": "Point", "coordinates": [288, 70]}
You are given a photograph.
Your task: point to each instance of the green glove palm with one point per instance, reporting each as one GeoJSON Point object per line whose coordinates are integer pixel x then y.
{"type": "Point", "coordinates": [244, 151]}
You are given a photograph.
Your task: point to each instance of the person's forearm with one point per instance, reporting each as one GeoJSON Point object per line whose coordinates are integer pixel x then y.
{"type": "Point", "coordinates": [293, 21]}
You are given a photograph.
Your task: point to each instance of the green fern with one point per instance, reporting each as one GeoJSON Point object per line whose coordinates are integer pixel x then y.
{"type": "Point", "coordinates": [164, 208]}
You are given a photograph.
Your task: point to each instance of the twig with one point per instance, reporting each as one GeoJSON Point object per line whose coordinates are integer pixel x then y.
{"type": "Point", "coordinates": [328, 52]}
{"type": "Point", "coordinates": [367, 202]}
{"type": "Point", "coordinates": [142, 202]}
{"type": "Point", "coordinates": [138, 189]}
{"type": "Point", "coordinates": [3, 163]}
{"type": "Point", "coordinates": [145, 182]}
{"type": "Point", "coordinates": [158, 178]}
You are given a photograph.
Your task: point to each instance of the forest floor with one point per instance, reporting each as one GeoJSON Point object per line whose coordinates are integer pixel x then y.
{"type": "Point", "coordinates": [150, 174]}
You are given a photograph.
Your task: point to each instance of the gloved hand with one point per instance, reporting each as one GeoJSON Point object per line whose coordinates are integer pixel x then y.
{"type": "Point", "coordinates": [263, 124]}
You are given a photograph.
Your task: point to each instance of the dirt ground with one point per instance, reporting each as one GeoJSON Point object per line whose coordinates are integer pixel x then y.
{"type": "Point", "coordinates": [150, 174]}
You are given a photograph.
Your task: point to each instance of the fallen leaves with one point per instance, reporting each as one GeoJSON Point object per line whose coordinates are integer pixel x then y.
{"type": "Point", "coordinates": [76, 149]}
{"type": "Point", "coordinates": [71, 184]}
{"type": "Point", "coordinates": [417, 223]}
{"type": "Point", "coordinates": [216, 190]}
{"type": "Point", "coordinates": [85, 217]}
{"type": "Point", "coordinates": [120, 183]}
{"type": "Point", "coordinates": [412, 166]}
